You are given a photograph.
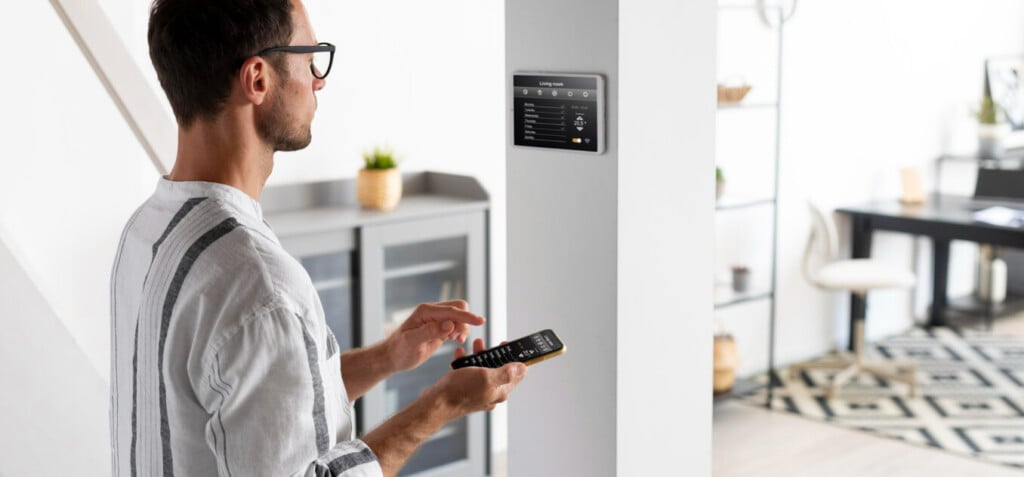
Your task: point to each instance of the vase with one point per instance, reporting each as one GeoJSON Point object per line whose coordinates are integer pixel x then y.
{"type": "Point", "coordinates": [725, 365]}
{"type": "Point", "coordinates": [379, 189]}
{"type": "Point", "coordinates": [990, 276]}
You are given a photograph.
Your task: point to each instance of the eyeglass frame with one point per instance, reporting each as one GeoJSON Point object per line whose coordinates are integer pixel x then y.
{"type": "Point", "coordinates": [317, 48]}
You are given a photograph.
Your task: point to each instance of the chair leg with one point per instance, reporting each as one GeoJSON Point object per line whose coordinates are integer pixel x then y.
{"type": "Point", "coordinates": [851, 364]}
{"type": "Point", "coordinates": [842, 378]}
{"type": "Point", "coordinates": [795, 369]}
{"type": "Point", "coordinates": [897, 370]}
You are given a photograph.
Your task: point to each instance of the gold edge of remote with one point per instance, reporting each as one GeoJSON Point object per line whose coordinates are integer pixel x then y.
{"type": "Point", "coordinates": [546, 357]}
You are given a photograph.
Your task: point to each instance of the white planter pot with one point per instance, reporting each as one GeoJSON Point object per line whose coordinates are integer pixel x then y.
{"type": "Point", "coordinates": [990, 140]}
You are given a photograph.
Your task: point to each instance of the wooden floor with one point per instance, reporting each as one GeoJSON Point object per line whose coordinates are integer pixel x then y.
{"type": "Point", "coordinates": [751, 441]}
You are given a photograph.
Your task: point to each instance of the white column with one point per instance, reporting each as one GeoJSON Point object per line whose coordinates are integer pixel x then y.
{"type": "Point", "coordinates": [614, 251]}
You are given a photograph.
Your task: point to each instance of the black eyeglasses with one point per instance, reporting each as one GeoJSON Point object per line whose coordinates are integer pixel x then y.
{"type": "Point", "coordinates": [323, 56]}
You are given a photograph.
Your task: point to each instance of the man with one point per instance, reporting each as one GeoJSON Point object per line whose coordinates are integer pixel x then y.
{"type": "Point", "coordinates": [222, 362]}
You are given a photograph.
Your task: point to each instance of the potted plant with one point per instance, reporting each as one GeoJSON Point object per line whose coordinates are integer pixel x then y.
{"type": "Point", "coordinates": [379, 184]}
{"type": "Point", "coordinates": [719, 183]}
{"type": "Point", "coordinates": [991, 129]}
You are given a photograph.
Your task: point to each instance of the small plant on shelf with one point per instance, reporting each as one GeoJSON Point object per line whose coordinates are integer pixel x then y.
{"type": "Point", "coordinates": [379, 184]}
{"type": "Point", "coordinates": [380, 158]}
{"type": "Point", "coordinates": [719, 182]}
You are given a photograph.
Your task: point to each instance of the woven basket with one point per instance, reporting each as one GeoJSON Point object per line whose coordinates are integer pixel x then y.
{"type": "Point", "coordinates": [732, 94]}
{"type": "Point", "coordinates": [726, 362]}
{"type": "Point", "coordinates": [379, 189]}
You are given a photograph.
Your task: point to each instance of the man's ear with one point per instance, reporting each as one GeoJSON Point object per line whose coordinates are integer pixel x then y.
{"type": "Point", "coordinates": [254, 78]}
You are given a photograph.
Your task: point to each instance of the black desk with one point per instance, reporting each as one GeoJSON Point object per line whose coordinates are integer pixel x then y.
{"type": "Point", "coordinates": [942, 218]}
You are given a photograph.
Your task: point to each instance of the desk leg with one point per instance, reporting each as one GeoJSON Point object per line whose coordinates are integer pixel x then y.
{"type": "Point", "coordinates": [861, 244]}
{"type": "Point", "coordinates": [940, 277]}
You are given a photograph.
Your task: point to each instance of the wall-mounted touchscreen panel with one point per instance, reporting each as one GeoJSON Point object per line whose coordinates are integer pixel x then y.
{"type": "Point", "coordinates": [558, 111]}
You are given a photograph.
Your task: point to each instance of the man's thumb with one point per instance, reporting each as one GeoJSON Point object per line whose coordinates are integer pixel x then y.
{"type": "Point", "coordinates": [514, 372]}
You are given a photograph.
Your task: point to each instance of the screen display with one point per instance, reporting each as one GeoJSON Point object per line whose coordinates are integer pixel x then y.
{"type": "Point", "coordinates": [562, 112]}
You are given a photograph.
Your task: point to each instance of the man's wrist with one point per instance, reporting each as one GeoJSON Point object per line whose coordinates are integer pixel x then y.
{"type": "Point", "coordinates": [385, 354]}
{"type": "Point", "coordinates": [363, 368]}
{"type": "Point", "coordinates": [441, 402]}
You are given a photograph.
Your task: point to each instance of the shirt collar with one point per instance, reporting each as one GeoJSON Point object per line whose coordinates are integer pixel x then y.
{"type": "Point", "coordinates": [234, 197]}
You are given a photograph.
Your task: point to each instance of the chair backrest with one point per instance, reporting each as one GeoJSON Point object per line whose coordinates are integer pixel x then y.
{"type": "Point", "coordinates": [824, 238]}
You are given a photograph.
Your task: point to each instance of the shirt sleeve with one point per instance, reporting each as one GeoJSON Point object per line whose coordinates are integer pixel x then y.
{"type": "Point", "coordinates": [264, 394]}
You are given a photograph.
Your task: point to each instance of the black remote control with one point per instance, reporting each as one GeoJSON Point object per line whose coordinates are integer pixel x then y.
{"type": "Point", "coordinates": [531, 349]}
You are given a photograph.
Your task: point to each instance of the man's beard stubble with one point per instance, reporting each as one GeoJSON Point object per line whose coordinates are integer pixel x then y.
{"type": "Point", "coordinates": [279, 130]}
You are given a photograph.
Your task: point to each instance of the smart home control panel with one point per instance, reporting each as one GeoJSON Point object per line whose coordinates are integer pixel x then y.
{"type": "Point", "coordinates": [561, 111]}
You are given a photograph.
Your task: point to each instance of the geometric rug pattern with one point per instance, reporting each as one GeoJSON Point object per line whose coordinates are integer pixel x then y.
{"type": "Point", "coordinates": [970, 396]}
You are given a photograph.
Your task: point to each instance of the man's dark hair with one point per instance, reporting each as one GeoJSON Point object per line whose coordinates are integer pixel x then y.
{"type": "Point", "coordinates": [197, 47]}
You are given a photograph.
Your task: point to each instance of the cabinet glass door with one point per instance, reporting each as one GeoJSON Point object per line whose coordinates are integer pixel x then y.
{"type": "Point", "coordinates": [405, 265]}
{"type": "Point", "coordinates": [330, 257]}
{"type": "Point", "coordinates": [332, 277]}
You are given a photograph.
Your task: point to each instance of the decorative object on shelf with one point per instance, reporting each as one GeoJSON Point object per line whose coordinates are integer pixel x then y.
{"type": "Point", "coordinates": [912, 193]}
{"type": "Point", "coordinates": [991, 276]}
{"type": "Point", "coordinates": [740, 279]}
{"type": "Point", "coordinates": [725, 363]}
{"type": "Point", "coordinates": [991, 130]}
{"type": "Point", "coordinates": [379, 184]}
{"type": "Point", "coordinates": [719, 183]}
{"type": "Point", "coordinates": [1004, 85]}
{"type": "Point", "coordinates": [732, 94]}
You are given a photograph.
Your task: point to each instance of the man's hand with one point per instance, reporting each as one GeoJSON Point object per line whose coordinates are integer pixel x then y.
{"type": "Point", "coordinates": [472, 389]}
{"type": "Point", "coordinates": [426, 329]}
{"type": "Point", "coordinates": [456, 394]}
{"type": "Point", "coordinates": [409, 346]}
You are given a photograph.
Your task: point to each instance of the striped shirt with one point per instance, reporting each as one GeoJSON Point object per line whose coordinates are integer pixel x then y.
{"type": "Point", "coordinates": [221, 360]}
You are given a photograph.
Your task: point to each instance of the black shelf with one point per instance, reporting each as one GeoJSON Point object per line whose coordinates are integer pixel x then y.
{"type": "Point", "coordinates": [741, 298]}
{"type": "Point", "coordinates": [773, 106]}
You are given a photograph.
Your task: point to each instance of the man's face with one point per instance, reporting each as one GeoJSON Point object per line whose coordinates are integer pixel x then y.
{"type": "Point", "coordinates": [283, 122]}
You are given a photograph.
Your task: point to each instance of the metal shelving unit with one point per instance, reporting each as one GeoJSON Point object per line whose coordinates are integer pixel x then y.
{"type": "Point", "coordinates": [746, 386]}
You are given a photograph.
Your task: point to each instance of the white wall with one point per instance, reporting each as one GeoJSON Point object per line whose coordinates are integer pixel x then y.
{"type": "Point", "coordinates": [53, 404]}
{"type": "Point", "coordinates": [868, 88]}
{"type": "Point", "coordinates": [665, 228]}
{"type": "Point", "coordinates": [71, 173]}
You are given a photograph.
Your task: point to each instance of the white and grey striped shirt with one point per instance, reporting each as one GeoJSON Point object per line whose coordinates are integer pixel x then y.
{"type": "Point", "coordinates": [221, 361]}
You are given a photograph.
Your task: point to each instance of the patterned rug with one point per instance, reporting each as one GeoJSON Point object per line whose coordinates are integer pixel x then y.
{"type": "Point", "coordinates": [970, 395]}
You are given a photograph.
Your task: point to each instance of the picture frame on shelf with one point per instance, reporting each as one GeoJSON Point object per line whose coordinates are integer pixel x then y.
{"type": "Point", "coordinates": [1005, 81]}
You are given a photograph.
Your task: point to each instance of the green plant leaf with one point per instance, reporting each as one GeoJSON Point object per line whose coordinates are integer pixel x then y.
{"type": "Point", "coordinates": [989, 112]}
{"type": "Point", "coordinates": [380, 158]}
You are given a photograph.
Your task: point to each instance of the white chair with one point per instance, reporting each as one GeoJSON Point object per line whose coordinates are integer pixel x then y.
{"type": "Point", "coordinates": [856, 276]}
